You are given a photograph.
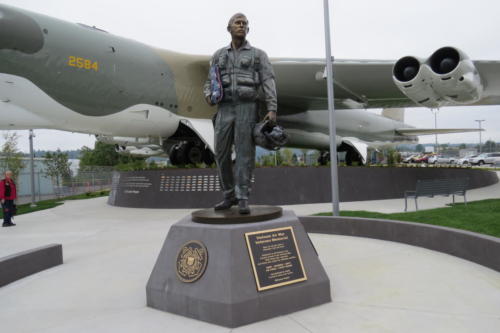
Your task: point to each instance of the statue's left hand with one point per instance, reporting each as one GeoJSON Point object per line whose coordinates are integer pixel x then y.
{"type": "Point", "coordinates": [271, 115]}
{"type": "Point", "coordinates": [208, 100]}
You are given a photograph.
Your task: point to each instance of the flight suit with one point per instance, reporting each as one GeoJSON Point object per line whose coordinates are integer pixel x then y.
{"type": "Point", "coordinates": [247, 76]}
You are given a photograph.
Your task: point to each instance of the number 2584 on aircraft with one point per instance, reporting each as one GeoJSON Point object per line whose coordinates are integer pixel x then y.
{"type": "Point", "coordinates": [83, 63]}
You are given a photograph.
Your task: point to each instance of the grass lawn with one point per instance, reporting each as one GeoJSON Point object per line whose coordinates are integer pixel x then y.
{"type": "Point", "coordinates": [46, 204]}
{"type": "Point", "coordinates": [478, 216]}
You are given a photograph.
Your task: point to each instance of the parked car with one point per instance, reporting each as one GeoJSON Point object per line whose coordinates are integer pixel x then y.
{"type": "Point", "coordinates": [441, 159]}
{"type": "Point", "coordinates": [465, 160]}
{"type": "Point", "coordinates": [410, 159]}
{"type": "Point", "coordinates": [433, 159]}
{"type": "Point", "coordinates": [492, 158]}
{"type": "Point", "coordinates": [422, 159]}
{"type": "Point", "coordinates": [479, 159]}
{"type": "Point", "coordinates": [447, 160]}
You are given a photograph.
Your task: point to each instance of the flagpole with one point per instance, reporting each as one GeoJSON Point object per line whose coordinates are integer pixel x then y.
{"type": "Point", "coordinates": [331, 111]}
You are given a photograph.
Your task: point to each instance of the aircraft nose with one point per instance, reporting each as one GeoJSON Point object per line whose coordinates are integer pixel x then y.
{"type": "Point", "coordinates": [19, 31]}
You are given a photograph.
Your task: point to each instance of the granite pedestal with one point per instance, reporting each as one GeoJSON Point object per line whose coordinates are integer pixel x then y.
{"type": "Point", "coordinates": [226, 294]}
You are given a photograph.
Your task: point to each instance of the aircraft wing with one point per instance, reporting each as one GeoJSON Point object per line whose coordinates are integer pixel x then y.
{"type": "Point", "coordinates": [301, 85]}
{"type": "Point", "coordinates": [429, 131]}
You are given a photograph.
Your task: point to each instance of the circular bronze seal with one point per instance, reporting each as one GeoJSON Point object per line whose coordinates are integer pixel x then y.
{"type": "Point", "coordinates": [191, 261]}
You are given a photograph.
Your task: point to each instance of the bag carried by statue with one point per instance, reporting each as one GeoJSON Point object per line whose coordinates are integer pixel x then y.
{"type": "Point", "coordinates": [217, 92]}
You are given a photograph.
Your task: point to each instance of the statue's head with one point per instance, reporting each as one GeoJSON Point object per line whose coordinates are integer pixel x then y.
{"type": "Point", "coordinates": [238, 26]}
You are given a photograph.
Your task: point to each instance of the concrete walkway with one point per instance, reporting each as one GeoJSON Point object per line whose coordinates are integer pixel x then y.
{"type": "Point", "coordinates": [109, 253]}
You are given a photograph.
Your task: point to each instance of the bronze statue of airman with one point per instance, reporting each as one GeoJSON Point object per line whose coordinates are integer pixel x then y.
{"type": "Point", "coordinates": [247, 77]}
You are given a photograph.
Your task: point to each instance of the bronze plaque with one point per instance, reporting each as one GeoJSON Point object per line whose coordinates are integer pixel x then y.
{"type": "Point", "coordinates": [191, 261]}
{"type": "Point", "coordinates": [275, 258]}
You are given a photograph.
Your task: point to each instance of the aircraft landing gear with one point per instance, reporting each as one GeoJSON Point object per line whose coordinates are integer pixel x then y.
{"type": "Point", "coordinates": [324, 157]}
{"type": "Point", "coordinates": [189, 152]}
{"type": "Point", "coordinates": [352, 156]}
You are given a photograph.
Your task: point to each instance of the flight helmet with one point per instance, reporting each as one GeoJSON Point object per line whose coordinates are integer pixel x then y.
{"type": "Point", "coordinates": [269, 135]}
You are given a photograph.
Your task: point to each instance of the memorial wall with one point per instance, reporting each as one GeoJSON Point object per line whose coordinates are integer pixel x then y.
{"type": "Point", "coordinates": [199, 188]}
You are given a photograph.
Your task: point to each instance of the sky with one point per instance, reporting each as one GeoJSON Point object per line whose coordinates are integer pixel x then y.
{"type": "Point", "coordinates": [361, 29]}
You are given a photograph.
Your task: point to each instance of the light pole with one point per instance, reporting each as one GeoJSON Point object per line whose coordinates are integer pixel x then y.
{"type": "Point", "coordinates": [32, 169]}
{"type": "Point", "coordinates": [435, 112]}
{"type": "Point", "coordinates": [331, 111]}
{"type": "Point", "coordinates": [479, 121]}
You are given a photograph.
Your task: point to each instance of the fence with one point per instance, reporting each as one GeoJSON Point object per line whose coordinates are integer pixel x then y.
{"type": "Point", "coordinates": [87, 181]}
{"type": "Point", "coordinates": [48, 188]}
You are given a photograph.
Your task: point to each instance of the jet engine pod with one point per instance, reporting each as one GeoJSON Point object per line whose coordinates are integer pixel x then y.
{"type": "Point", "coordinates": [128, 141]}
{"type": "Point", "coordinates": [455, 78]}
{"type": "Point", "coordinates": [124, 150]}
{"type": "Point", "coordinates": [145, 152]}
{"type": "Point", "coordinates": [414, 79]}
{"type": "Point", "coordinates": [139, 151]}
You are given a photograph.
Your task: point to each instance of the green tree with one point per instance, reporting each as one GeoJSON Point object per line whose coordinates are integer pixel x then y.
{"type": "Point", "coordinates": [11, 157]}
{"type": "Point", "coordinates": [104, 154]}
{"type": "Point", "coordinates": [267, 160]}
{"type": "Point", "coordinates": [393, 157]}
{"type": "Point", "coordinates": [462, 146]}
{"type": "Point", "coordinates": [314, 157]}
{"type": "Point", "coordinates": [278, 156]}
{"type": "Point", "coordinates": [286, 156]}
{"type": "Point", "coordinates": [304, 155]}
{"type": "Point", "coordinates": [57, 166]}
{"type": "Point", "coordinates": [490, 146]}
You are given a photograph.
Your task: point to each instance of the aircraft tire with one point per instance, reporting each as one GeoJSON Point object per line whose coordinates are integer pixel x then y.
{"type": "Point", "coordinates": [172, 155]}
{"type": "Point", "coordinates": [193, 153]}
{"type": "Point", "coordinates": [324, 158]}
{"type": "Point", "coordinates": [351, 156]}
{"type": "Point", "coordinates": [208, 157]}
{"type": "Point", "coordinates": [177, 154]}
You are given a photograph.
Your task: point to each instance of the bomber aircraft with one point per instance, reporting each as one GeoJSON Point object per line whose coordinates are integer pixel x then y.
{"type": "Point", "coordinates": [149, 101]}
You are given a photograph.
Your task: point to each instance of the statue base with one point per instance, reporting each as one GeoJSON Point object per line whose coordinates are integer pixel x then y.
{"type": "Point", "coordinates": [232, 215]}
{"type": "Point", "coordinates": [236, 274]}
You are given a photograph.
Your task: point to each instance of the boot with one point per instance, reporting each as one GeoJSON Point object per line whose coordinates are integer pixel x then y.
{"type": "Point", "coordinates": [226, 204]}
{"type": "Point", "coordinates": [243, 207]}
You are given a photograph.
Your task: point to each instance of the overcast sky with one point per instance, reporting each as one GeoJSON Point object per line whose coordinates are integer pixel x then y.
{"type": "Point", "coordinates": [362, 29]}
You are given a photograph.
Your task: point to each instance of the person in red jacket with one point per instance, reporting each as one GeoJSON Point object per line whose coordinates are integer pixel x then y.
{"type": "Point", "coordinates": [7, 196]}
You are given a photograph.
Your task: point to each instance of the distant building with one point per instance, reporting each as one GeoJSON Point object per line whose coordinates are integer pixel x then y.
{"type": "Point", "coordinates": [467, 152]}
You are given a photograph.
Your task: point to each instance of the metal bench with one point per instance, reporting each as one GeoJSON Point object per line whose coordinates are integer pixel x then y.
{"type": "Point", "coordinates": [432, 187]}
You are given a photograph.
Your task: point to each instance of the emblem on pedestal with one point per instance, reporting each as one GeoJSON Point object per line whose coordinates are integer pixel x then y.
{"type": "Point", "coordinates": [191, 261]}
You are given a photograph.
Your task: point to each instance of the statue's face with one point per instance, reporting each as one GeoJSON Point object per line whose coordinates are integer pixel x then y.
{"type": "Point", "coordinates": [239, 27]}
